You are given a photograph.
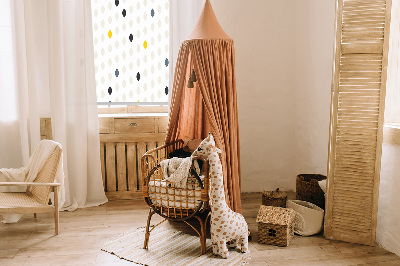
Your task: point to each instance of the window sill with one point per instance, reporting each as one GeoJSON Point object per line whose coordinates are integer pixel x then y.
{"type": "Point", "coordinates": [127, 115]}
{"type": "Point", "coordinates": [132, 110]}
{"type": "Point", "coordinates": [391, 133]}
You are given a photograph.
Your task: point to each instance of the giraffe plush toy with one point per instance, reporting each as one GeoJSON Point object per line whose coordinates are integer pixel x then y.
{"type": "Point", "coordinates": [226, 225]}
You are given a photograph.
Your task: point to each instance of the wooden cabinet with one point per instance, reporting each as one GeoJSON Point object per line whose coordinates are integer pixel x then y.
{"type": "Point", "coordinates": [106, 125]}
{"type": "Point", "coordinates": [162, 125]}
{"type": "Point", "coordinates": [123, 141]}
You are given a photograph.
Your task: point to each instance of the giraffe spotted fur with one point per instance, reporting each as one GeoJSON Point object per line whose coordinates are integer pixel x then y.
{"type": "Point", "coordinates": [226, 225]}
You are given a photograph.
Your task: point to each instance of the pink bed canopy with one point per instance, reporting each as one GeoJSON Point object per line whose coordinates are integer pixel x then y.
{"type": "Point", "coordinates": [210, 104]}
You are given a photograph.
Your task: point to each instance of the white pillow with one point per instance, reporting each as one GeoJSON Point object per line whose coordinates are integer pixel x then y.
{"type": "Point", "coordinates": [322, 184]}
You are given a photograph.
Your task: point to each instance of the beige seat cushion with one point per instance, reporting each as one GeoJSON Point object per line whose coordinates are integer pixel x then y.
{"type": "Point", "coordinates": [15, 199]}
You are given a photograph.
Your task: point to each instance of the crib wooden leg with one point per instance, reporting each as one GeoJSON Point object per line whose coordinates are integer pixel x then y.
{"type": "Point", "coordinates": [203, 236]}
{"type": "Point", "coordinates": [34, 215]}
{"type": "Point", "coordinates": [147, 235]}
{"type": "Point", "coordinates": [203, 232]}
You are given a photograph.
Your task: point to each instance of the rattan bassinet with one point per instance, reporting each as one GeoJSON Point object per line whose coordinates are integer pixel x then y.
{"type": "Point", "coordinates": [170, 202]}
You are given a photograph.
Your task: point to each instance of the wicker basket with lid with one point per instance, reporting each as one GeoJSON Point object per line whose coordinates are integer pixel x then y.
{"type": "Point", "coordinates": [274, 198]}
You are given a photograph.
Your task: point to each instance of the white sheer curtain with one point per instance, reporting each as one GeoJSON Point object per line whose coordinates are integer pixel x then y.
{"type": "Point", "coordinates": [12, 152]}
{"type": "Point", "coordinates": [54, 69]}
{"type": "Point", "coordinates": [10, 144]}
{"type": "Point", "coordinates": [183, 18]}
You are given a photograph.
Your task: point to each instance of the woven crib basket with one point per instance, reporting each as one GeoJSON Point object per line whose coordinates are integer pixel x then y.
{"type": "Point", "coordinates": [308, 189]}
{"type": "Point", "coordinates": [274, 198]}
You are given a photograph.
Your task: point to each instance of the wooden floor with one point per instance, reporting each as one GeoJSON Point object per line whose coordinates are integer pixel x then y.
{"type": "Point", "coordinates": [82, 233]}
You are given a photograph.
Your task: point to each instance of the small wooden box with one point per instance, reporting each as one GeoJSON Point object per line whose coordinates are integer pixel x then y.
{"type": "Point", "coordinates": [274, 198]}
{"type": "Point", "coordinates": [275, 225]}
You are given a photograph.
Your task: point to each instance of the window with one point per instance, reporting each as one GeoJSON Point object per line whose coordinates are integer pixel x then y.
{"type": "Point", "coordinates": [131, 51]}
{"type": "Point", "coordinates": [391, 130]}
{"type": "Point", "coordinates": [392, 106]}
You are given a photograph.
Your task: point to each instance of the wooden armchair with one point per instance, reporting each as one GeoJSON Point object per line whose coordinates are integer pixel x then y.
{"type": "Point", "coordinates": [36, 197]}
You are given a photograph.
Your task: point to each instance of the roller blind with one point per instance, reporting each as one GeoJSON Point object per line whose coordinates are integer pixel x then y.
{"type": "Point", "coordinates": [358, 97]}
{"type": "Point", "coordinates": [131, 51]}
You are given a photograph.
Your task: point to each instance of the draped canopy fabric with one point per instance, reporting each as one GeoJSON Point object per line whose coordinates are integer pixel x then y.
{"type": "Point", "coordinates": [211, 106]}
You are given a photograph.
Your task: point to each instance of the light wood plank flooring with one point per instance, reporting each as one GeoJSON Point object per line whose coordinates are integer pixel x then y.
{"type": "Point", "coordinates": [83, 232]}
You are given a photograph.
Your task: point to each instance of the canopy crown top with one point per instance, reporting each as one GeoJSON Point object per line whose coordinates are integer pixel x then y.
{"type": "Point", "coordinates": [207, 26]}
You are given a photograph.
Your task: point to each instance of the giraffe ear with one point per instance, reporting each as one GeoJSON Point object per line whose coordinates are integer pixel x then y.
{"type": "Point", "coordinates": [216, 149]}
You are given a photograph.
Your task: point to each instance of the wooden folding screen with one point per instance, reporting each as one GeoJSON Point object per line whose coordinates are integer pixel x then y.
{"type": "Point", "coordinates": [358, 97]}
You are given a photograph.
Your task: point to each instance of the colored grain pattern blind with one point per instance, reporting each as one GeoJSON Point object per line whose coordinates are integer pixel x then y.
{"type": "Point", "coordinates": [358, 97]}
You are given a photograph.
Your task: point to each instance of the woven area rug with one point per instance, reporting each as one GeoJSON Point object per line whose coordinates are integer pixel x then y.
{"type": "Point", "coordinates": [167, 247]}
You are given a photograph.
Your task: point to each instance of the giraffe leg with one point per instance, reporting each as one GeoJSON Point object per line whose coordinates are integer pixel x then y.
{"type": "Point", "coordinates": [222, 249]}
{"type": "Point", "coordinates": [243, 243]}
{"type": "Point", "coordinates": [215, 248]}
{"type": "Point", "coordinates": [233, 243]}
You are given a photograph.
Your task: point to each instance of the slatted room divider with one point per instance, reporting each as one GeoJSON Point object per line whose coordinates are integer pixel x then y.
{"type": "Point", "coordinates": [358, 96]}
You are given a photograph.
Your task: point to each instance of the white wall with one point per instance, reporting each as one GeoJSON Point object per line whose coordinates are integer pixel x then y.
{"type": "Point", "coordinates": [264, 32]}
{"type": "Point", "coordinates": [284, 52]}
{"type": "Point", "coordinates": [388, 227]}
{"type": "Point", "coordinates": [314, 60]}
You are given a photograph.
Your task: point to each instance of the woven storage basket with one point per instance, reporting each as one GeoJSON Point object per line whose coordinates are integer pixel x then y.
{"type": "Point", "coordinates": [274, 198]}
{"type": "Point", "coordinates": [275, 225]}
{"type": "Point", "coordinates": [308, 189]}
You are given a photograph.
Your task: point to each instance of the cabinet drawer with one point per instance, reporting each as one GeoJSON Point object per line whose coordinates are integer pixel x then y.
{"type": "Point", "coordinates": [134, 125]}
